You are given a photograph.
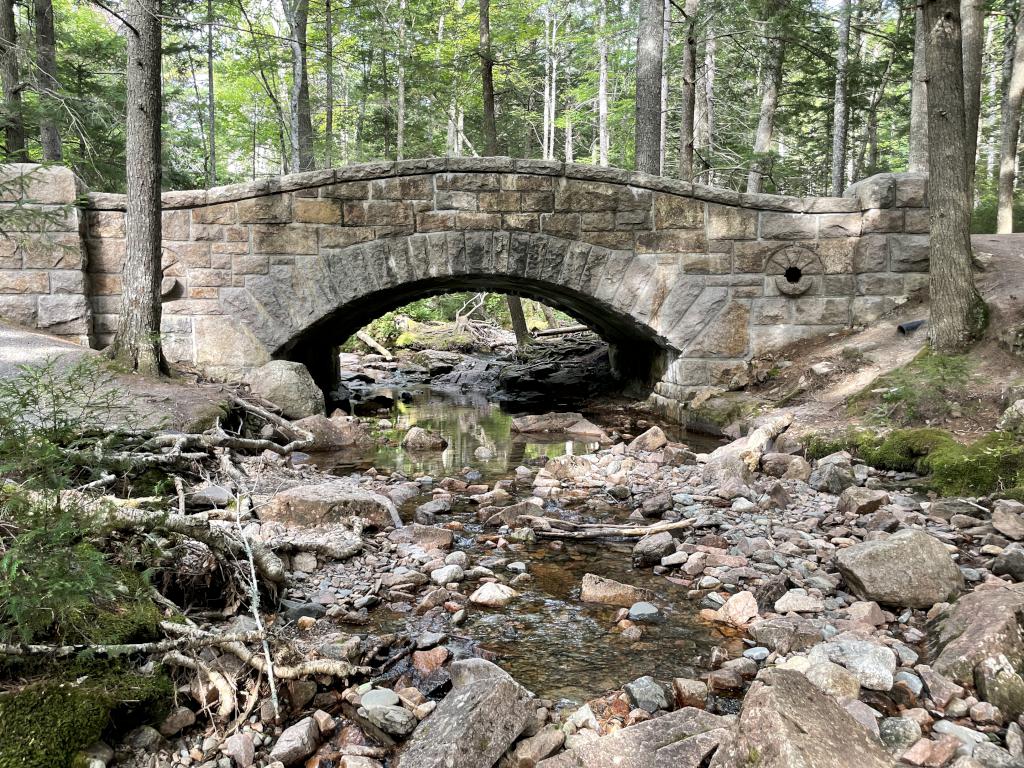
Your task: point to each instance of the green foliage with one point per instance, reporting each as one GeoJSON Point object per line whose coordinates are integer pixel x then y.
{"type": "Point", "coordinates": [46, 723]}
{"type": "Point", "coordinates": [995, 463]}
{"type": "Point", "coordinates": [983, 220]}
{"type": "Point", "coordinates": [51, 576]}
{"type": "Point", "coordinates": [924, 390]}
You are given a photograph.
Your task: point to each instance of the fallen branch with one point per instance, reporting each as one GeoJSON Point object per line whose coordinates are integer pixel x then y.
{"type": "Point", "coordinates": [552, 528]}
{"type": "Point", "coordinates": [225, 691]}
{"type": "Point", "coordinates": [561, 331]}
{"type": "Point", "coordinates": [120, 649]}
{"type": "Point", "coordinates": [369, 341]}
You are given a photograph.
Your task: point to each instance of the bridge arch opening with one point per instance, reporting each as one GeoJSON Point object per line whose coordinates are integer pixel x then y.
{"type": "Point", "coordinates": [637, 357]}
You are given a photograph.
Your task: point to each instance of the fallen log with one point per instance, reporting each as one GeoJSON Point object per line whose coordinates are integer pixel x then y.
{"type": "Point", "coordinates": [553, 528]}
{"type": "Point", "coordinates": [561, 331]}
{"type": "Point", "coordinates": [369, 341]}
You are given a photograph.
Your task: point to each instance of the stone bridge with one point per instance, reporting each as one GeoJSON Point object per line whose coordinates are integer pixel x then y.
{"type": "Point", "coordinates": [686, 282]}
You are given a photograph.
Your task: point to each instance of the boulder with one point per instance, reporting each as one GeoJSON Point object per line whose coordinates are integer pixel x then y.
{"type": "Point", "coordinates": [650, 549]}
{"type": "Point", "coordinates": [426, 536]}
{"type": "Point", "coordinates": [909, 569]}
{"type": "Point", "coordinates": [786, 722]}
{"type": "Point", "coordinates": [289, 386]}
{"type": "Point", "coordinates": [861, 501]}
{"type": "Point", "coordinates": [596, 589]}
{"type": "Point", "coordinates": [651, 440]}
{"type": "Point", "coordinates": [1012, 419]}
{"type": "Point", "coordinates": [832, 478]}
{"type": "Point", "coordinates": [999, 683]}
{"type": "Point", "coordinates": [472, 727]}
{"type": "Point", "coordinates": [682, 738]}
{"type": "Point", "coordinates": [493, 595]}
{"type": "Point", "coordinates": [330, 503]}
{"type": "Point", "coordinates": [980, 625]}
{"type": "Point", "coordinates": [777, 464]}
{"type": "Point", "coordinates": [572, 423]}
{"type": "Point", "coordinates": [1007, 518]}
{"type": "Point", "coordinates": [1010, 562]}
{"type": "Point", "coordinates": [873, 664]}
{"type": "Point", "coordinates": [738, 610]}
{"type": "Point", "coordinates": [298, 742]}
{"type": "Point", "coordinates": [648, 694]}
{"type": "Point", "coordinates": [419, 439]}
{"type": "Point", "coordinates": [528, 752]}
{"type": "Point", "coordinates": [333, 434]}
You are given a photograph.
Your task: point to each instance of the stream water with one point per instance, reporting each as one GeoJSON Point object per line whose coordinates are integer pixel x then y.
{"type": "Point", "coordinates": [556, 645]}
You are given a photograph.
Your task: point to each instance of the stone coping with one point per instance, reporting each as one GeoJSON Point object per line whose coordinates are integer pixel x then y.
{"type": "Point", "coordinates": [295, 182]}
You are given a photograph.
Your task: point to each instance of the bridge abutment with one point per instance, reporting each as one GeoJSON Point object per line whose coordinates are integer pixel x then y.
{"type": "Point", "coordinates": [686, 281]}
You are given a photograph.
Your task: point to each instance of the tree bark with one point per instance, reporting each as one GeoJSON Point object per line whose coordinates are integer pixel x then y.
{"type": "Point", "coordinates": [918, 155]}
{"type": "Point", "coordinates": [137, 343]}
{"type": "Point", "coordinates": [840, 112]}
{"type": "Point", "coordinates": [1010, 132]}
{"type": "Point", "coordinates": [400, 133]}
{"type": "Point", "coordinates": [957, 310]}
{"type": "Point", "coordinates": [487, 79]}
{"type": "Point", "coordinates": [46, 77]}
{"type": "Point", "coordinates": [297, 15]}
{"type": "Point", "coordinates": [10, 80]}
{"type": "Point", "coordinates": [602, 86]}
{"type": "Point", "coordinates": [648, 86]}
{"type": "Point", "coordinates": [775, 54]}
{"type": "Point", "coordinates": [519, 327]}
{"type": "Point", "coordinates": [972, 21]}
{"type": "Point", "coordinates": [329, 85]}
{"type": "Point", "coordinates": [211, 108]}
{"type": "Point", "coordinates": [666, 41]}
{"type": "Point", "coordinates": [689, 93]}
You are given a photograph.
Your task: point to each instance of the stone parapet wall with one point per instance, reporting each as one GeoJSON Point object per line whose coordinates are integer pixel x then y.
{"type": "Point", "coordinates": [710, 276]}
{"type": "Point", "coordinates": [42, 254]}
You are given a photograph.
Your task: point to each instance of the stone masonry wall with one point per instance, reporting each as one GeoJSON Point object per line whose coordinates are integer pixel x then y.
{"type": "Point", "coordinates": [712, 276]}
{"type": "Point", "coordinates": [42, 253]}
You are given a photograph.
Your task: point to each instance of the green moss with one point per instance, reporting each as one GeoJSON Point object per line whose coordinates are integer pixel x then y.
{"type": "Point", "coordinates": [992, 464]}
{"type": "Point", "coordinates": [924, 390]}
{"type": "Point", "coordinates": [45, 724]}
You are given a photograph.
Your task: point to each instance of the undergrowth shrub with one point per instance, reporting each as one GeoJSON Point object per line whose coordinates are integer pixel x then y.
{"type": "Point", "coordinates": [924, 390]}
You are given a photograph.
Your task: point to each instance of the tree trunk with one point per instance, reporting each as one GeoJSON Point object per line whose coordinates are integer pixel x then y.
{"type": "Point", "coordinates": [297, 15]}
{"type": "Point", "coordinates": [10, 80]}
{"type": "Point", "coordinates": [211, 113]}
{"type": "Point", "coordinates": [689, 93]}
{"type": "Point", "coordinates": [707, 103]}
{"type": "Point", "coordinates": [487, 79]}
{"type": "Point", "coordinates": [46, 77]}
{"type": "Point", "coordinates": [839, 109]}
{"type": "Point", "coordinates": [775, 54]}
{"type": "Point", "coordinates": [602, 86]}
{"type": "Point", "coordinates": [666, 41]}
{"type": "Point", "coordinates": [329, 86]}
{"type": "Point", "coordinates": [918, 155]}
{"type": "Point", "coordinates": [515, 311]}
{"type": "Point", "coordinates": [648, 86]}
{"type": "Point", "coordinates": [972, 21]}
{"type": "Point", "coordinates": [1010, 132]}
{"type": "Point", "coordinates": [957, 310]}
{"type": "Point", "coordinates": [400, 137]}
{"type": "Point", "coordinates": [137, 343]}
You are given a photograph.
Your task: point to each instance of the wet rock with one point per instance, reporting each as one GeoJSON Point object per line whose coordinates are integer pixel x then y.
{"type": "Point", "coordinates": [426, 536]}
{"type": "Point", "coordinates": [788, 723]}
{"type": "Point", "coordinates": [651, 440]}
{"type": "Point", "coordinates": [681, 738]}
{"type": "Point", "coordinates": [648, 694]}
{"type": "Point", "coordinates": [861, 501]}
{"type": "Point", "coordinates": [596, 589]}
{"type": "Point", "coordinates": [643, 611]}
{"type": "Point", "coordinates": [419, 439]}
{"type": "Point", "coordinates": [289, 386]}
{"type": "Point", "coordinates": [330, 503]}
{"type": "Point", "coordinates": [335, 433]}
{"type": "Point", "coordinates": [298, 742]}
{"type": "Point", "coordinates": [573, 423]}
{"type": "Point", "coordinates": [471, 727]}
{"type": "Point", "coordinates": [493, 595]}
{"type": "Point", "coordinates": [650, 549]}
{"type": "Point", "coordinates": [978, 626]}
{"type": "Point", "coordinates": [909, 569]}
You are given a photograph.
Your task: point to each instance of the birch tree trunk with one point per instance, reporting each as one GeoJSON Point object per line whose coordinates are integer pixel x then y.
{"type": "Point", "coordinates": [10, 80]}
{"type": "Point", "coordinates": [705, 108]}
{"type": "Point", "coordinates": [297, 15]}
{"type": "Point", "coordinates": [839, 109]}
{"type": "Point", "coordinates": [957, 310]}
{"type": "Point", "coordinates": [211, 109]}
{"type": "Point", "coordinates": [487, 80]}
{"type": "Point", "coordinates": [972, 23]}
{"type": "Point", "coordinates": [46, 77]}
{"type": "Point", "coordinates": [400, 131]}
{"type": "Point", "coordinates": [1010, 132]}
{"type": "Point", "coordinates": [648, 86]}
{"type": "Point", "coordinates": [775, 54]}
{"type": "Point", "coordinates": [918, 155]}
{"type": "Point", "coordinates": [137, 342]}
{"type": "Point", "coordinates": [602, 86]}
{"type": "Point", "coordinates": [689, 93]}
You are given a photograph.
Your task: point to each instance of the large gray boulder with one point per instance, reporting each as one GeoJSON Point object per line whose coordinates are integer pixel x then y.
{"type": "Point", "coordinates": [419, 439]}
{"type": "Point", "coordinates": [336, 433]}
{"type": "Point", "coordinates": [682, 738]}
{"type": "Point", "coordinates": [471, 727]}
{"type": "Point", "coordinates": [330, 503]}
{"type": "Point", "coordinates": [909, 569]}
{"type": "Point", "coordinates": [786, 722]}
{"type": "Point", "coordinates": [289, 386]}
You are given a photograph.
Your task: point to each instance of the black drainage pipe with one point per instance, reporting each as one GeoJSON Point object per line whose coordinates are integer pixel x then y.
{"type": "Point", "coordinates": [909, 327]}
